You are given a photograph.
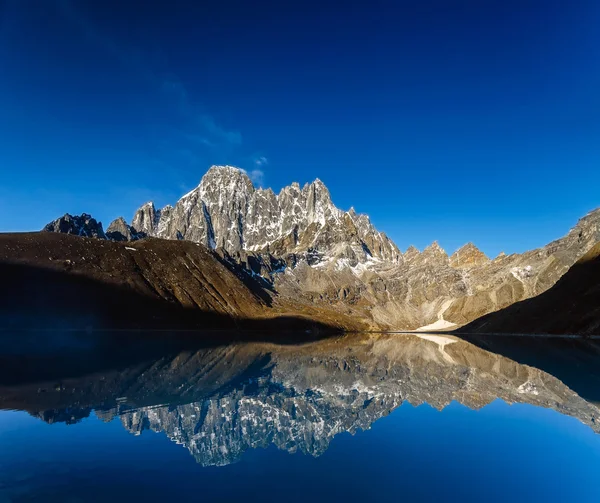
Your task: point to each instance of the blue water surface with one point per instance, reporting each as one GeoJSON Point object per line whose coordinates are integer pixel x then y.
{"type": "Point", "coordinates": [499, 453]}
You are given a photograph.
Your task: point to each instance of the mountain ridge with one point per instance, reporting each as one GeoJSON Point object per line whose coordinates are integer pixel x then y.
{"type": "Point", "coordinates": [571, 305]}
{"type": "Point", "coordinates": [309, 250]}
{"type": "Point", "coordinates": [226, 211]}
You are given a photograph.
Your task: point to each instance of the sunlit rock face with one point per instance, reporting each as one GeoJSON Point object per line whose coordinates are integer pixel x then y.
{"type": "Point", "coordinates": [226, 211]}
{"type": "Point", "coordinates": [315, 255]}
{"type": "Point", "coordinates": [468, 256]}
{"type": "Point", "coordinates": [312, 251]}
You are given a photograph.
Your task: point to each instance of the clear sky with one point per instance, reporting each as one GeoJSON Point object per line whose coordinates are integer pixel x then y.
{"type": "Point", "coordinates": [450, 120]}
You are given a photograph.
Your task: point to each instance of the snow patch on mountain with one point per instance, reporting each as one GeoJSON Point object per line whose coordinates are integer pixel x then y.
{"type": "Point", "coordinates": [226, 211]}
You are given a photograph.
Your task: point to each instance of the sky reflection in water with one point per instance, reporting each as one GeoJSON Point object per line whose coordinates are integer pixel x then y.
{"type": "Point", "coordinates": [279, 429]}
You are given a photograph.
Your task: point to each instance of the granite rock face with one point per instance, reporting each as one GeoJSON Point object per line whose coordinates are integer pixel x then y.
{"type": "Point", "coordinates": [468, 256]}
{"type": "Point", "coordinates": [80, 225]}
{"type": "Point", "coordinates": [571, 306]}
{"type": "Point", "coordinates": [226, 211]}
{"type": "Point", "coordinates": [119, 230]}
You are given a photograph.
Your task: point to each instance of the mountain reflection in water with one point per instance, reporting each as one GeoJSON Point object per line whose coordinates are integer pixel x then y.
{"type": "Point", "coordinates": [222, 401]}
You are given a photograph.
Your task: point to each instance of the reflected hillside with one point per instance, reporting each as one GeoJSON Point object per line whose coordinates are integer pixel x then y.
{"type": "Point", "coordinates": [220, 402]}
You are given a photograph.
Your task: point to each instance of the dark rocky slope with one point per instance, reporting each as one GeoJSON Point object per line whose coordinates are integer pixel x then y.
{"type": "Point", "coordinates": [571, 306]}
{"type": "Point", "coordinates": [59, 280]}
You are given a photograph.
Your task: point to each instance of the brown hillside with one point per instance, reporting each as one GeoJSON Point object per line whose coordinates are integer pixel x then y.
{"type": "Point", "coordinates": [57, 280]}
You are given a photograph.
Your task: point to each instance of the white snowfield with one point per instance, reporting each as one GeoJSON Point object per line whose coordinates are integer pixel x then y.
{"type": "Point", "coordinates": [438, 325]}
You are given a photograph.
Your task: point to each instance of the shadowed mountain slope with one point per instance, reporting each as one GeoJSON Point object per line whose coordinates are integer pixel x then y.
{"type": "Point", "coordinates": [64, 281]}
{"type": "Point", "coordinates": [571, 306]}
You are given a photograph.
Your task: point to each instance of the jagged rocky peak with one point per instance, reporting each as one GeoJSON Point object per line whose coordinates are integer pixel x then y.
{"type": "Point", "coordinates": [226, 193]}
{"type": "Point", "coordinates": [411, 253]}
{"type": "Point", "coordinates": [119, 230]}
{"type": "Point", "coordinates": [587, 229]}
{"type": "Point", "coordinates": [584, 235]}
{"type": "Point", "coordinates": [80, 225]}
{"type": "Point", "coordinates": [319, 206]}
{"type": "Point", "coordinates": [434, 253]}
{"type": "Point", "coordinates": [227, 211]}
{"type": "Point", "coordinates": [468, 256]}
{"type": "Point", "coordinates": [146, 218]}
{"type": "Point", "coordinates": [226, 186]}
{"type": "Point", "coordinates": [434, 248]}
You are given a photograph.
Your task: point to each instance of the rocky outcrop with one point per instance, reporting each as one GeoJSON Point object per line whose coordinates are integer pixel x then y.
{"type": "Point", "coordinates": [80, 225]}
{"type": "Point", "coordinates": [226, 211]}
{"type": "Point", "coordinates": [468, 256]}
{"type": "Point", "coordinates": [86, 226]}
{"type": "Point", "coordinates": [146, 219]}
{"type": "Point", "coordinates": [119, 230]}
{"type": "Point", "coordinates": [571, 306]}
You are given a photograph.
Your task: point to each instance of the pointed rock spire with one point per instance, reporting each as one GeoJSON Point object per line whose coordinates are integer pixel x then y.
{"type": "Point", "coordinates": [411, 253]}
{"type": "Point", "coordinates": [119, 230]}
{"type": "Point", "coordinates": [468, 256]}
{"type": "Point", "coordinates": [146, 219]}
{"type": "Point", "coordinates": [434, 249]}
{"type": "Point", "coordinates": [226, 210]}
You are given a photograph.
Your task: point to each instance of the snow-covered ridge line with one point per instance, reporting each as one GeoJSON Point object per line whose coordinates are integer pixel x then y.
{"type": "Point", "coordinates": [292, 205]}
{"type": "Point", "coordinates": [227, 211]}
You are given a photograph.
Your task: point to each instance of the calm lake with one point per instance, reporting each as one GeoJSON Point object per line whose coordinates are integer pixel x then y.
{"type": "Point", "coordinates": [356, 418]}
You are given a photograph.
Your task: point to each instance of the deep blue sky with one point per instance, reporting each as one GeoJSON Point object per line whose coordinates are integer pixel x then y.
{"type": "Point", "coordinates": [450, 120]}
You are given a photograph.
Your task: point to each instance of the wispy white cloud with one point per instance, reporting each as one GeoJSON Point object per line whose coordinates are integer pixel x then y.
{"type": "Point", "coordinates": [261, 161]}
{"type": "Point", "coordinates": [197, 126]}
{"type": "Point", "coordinates": [257, 175]}
{"type": "Point", "coordinates": [199, 139]}
{"type": "Point", "coordinates": [177, 92]}
{"type": "Point", "coordinates": [203, 129]}
{"type": "Point", "coordinates": [233, 138]}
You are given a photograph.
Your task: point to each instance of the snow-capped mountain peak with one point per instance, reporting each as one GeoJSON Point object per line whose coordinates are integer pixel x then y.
{"type": "Point", "coordinates": [226, 211]}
